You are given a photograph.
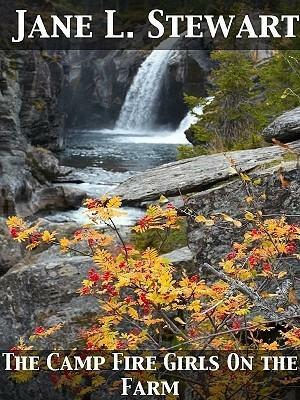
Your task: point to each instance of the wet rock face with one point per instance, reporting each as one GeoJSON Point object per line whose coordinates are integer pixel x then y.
{"type": "Point", "coordinates": [285, 128]}
{"type": "Point", "coordinates": [43, 164]}
{"type": "Point", "coordinates": [10, 251]}
{"type": "Point", "coordinates": [15, 177]}
{"type": "Point", "coordinates": [43, 80]}
{"type": "Point", "coordinates": [188, 73]}
{"type": "Point", "coordinates": [182, 260]}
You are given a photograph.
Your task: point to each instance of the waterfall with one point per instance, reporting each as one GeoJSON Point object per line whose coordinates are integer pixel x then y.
{"type": "Point", "coordinates": [166, 136]}
{"type": "Point", "coordinates": [189, 120]}
{"type": "Point", "coordinates": [140, 108]}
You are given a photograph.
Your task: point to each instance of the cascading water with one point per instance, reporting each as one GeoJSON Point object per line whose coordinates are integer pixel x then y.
{"type": "Point", "coordinates": [141, 107]}
{"type": "Point", "coordinates": [190, 119]}
{"type": "Point", "coordinates": [165, 136]}
{"type": "Point", "coordinates": [141, 104]}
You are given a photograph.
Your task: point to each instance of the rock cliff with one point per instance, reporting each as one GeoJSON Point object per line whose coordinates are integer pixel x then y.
{"type": "Point", "coordinates": [31, 84]}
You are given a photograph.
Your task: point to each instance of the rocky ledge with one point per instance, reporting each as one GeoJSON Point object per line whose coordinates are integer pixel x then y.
{"type": "Point", "coordinates": [196, 174]}
{"type": "Point", "coordinates": [42, 291]}
{"type": "Point", "coordinates": [285, 128]}
{"type": "Point", "coordinates": [31, 115]}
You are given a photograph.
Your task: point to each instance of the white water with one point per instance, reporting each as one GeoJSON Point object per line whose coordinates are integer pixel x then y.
{"type": "Point", "coordinates": [141, 104]}
{"type": "Point", "coordinates": [159, 135]}
{"type": "Point", "coordinates": [138, 114]}
{"type": "Point", "coordinates": [164, 136]}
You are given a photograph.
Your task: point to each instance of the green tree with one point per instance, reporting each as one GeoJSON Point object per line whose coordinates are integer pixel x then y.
{"type": "Point", "coordinates": [280, 78]}
{"type": "Point", "coordinates": [230, 120]}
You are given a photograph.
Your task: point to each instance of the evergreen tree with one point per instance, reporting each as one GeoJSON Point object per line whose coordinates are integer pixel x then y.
{"type": "Point", "coordinates": [229, 120]}
{"type": "Point", "coordinates": [280, 78]}
{"type": "Point", "coordinates": [247, 96]}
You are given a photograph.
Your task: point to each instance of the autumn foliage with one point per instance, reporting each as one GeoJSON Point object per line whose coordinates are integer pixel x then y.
{"type": "Point", "coordinates": [248, 301]}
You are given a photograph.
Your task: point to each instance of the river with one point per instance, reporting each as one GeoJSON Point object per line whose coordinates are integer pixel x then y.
{"type": "Point", "coordinates": [103, 159]}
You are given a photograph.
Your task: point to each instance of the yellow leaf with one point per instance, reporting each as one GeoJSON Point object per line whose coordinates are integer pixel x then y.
{"type": "Point", "coordinates": [245, 178]}
{"type": "Point", "coordinates": [245, 274]}
{"type": "Point", "coordinates": [231, 170]}
{"type": "Point", "coordinates": [272, 346]}
{"type": "Point", "coordinates": [258, 320]}
{"type": "Point", "coordinates": [163, 200]}
{"type": "Point", "coordinates": [242, 312]}
{"type": "Point", "coordinates": [133, 313]}
{"type": "Point", "coordinates": [228, 266]}
{"type": "Point", "coordinates": [237, 223]}
{"type": "Point", "coordinates": [200, 218]}
{"type": "Point", "coordinates": [48, 237]}
{"type": "Point", "coordinates": [282, 274]}
{"type": "Point", "coordinates": [194, 306]}
{"type": "Point", "coordinates": [249, 216]}
{"type": "Point", "coordinates": [114, 202]}
{"type": "Point", "coordinates": [22, 236]}
{"type": "Point", "coordinates": [171, 397]}
{"type": "Point", "coordinates": [87, 283]}
{"type": "Point", "coordinates": [249, 199]}
{"type": "Point", "coordinates": [22, 376]}
{"type": "Point", "coordinates": [13, 222]}
{"type": "Point", "coordinates": [257, 182]}
{"type": "Point", "coordinates": [98, 381]}
{"type": "Point", "coordinates": [180, 321]}
{"type": "Point", "coordinates": [64, 243]}
{"type": "Point", "coordinates": [227, 218]}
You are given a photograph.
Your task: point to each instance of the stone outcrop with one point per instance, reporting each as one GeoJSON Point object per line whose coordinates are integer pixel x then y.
{"type": "Point", "coordinates": [43, 164]}
{"type": "Point", "coordinates": [182, 258]}
{"type": "Point", "coordinates": [30, 87]}
{"type": "Point", "coordinates": [51, 198]}
{"type": "Point", "coordinates": [285, 128]}
{"type": "Point", "coordinates": [43, 292]}
{"type": "Point", "coordinates": [196, 174]}
{"type": "Point", "coordinates": [188, 73]}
